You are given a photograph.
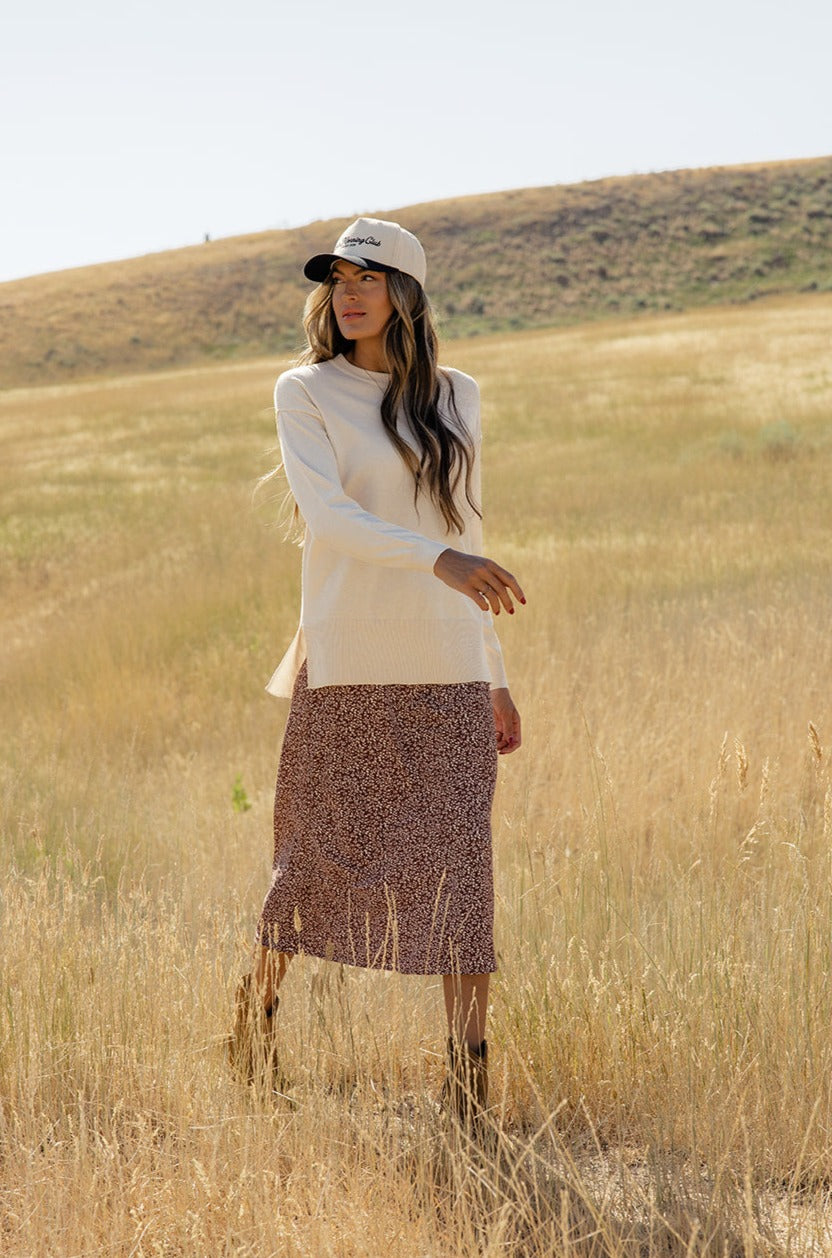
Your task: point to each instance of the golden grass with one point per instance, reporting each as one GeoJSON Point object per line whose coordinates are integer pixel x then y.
{"type": "Point", "coordinates": [660, 1022]}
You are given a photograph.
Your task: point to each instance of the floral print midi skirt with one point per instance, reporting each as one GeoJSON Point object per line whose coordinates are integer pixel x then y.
{"type": "Point", "coordinates": [382, 828]}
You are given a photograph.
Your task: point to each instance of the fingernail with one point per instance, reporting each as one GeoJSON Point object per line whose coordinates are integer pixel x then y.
{"type": "Point", "coordinates": [522, 600]}
{"type": "Point", "coordinates": [511, 611]}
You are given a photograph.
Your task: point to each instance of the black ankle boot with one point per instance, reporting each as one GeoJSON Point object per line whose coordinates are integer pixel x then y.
{"type": "Point", "coordinates": [465, 1091]}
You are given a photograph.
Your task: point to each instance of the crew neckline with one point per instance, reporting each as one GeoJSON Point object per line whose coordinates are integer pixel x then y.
{"type": "Point", "coordinates": [360, 373]}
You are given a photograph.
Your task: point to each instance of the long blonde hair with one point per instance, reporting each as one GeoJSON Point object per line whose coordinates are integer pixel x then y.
{"type": "Point", "coordinates": [445, 454]}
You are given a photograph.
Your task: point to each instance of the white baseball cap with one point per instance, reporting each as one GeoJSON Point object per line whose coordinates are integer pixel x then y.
{"type": "Point", "coordinates": [376, 245]}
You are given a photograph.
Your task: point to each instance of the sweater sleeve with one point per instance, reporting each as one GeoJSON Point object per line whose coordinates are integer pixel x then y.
{"type": "Point", "coordinates": [330, 515]}
{"type": "Point", "coordinates": [493, 650]}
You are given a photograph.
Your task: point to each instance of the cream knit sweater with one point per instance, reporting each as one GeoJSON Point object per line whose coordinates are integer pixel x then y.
{"type": "Point", "coordinates": [372, 610]}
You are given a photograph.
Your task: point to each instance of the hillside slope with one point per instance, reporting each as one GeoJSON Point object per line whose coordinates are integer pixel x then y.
{"type": "Point", "coordinates": [525, 258]}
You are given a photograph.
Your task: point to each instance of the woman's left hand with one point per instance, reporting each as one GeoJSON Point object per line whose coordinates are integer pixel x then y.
{"type": "Point", "coordinates": [507, 721]}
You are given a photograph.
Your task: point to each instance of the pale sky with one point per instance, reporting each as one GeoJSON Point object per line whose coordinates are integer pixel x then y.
{"type": "Point", "coordinates": [129, 129]}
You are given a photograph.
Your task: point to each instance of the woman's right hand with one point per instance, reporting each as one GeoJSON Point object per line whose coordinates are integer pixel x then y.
{"type": "Point", "coordinates": [483, 580]}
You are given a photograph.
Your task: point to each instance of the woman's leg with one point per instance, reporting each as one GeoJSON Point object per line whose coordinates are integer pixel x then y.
{"type": "Point", "coordinates": [269, 971]}
{"type": "Point", "coordinates": [466, 1004]}
{"type": "Point", "coordinates": [466, 1085]}
{"type": "Point", "coordinates": [252, 1044]}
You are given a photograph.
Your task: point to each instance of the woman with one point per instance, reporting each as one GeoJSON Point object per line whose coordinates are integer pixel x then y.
{"type": "Point", "coordinates": [399, 705]}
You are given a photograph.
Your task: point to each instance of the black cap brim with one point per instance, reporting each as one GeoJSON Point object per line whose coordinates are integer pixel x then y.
{"type": "Point", "coordinates": [319, 267]}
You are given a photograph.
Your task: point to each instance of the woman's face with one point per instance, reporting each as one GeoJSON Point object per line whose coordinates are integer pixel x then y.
{"type": "Point", "coordinates": [360, 301]}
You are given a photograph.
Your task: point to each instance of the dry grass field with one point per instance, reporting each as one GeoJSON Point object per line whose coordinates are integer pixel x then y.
{"type": "Point", "coordinates": [661, 1020]}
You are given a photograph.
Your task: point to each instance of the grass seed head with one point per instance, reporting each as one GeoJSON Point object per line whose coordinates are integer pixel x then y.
{"type": "Point", "coordinates": [814, 743]}
{"type": "Point", "coordinates": [742, 765]}
{"type": "Point", "coordinates": [764, 786]}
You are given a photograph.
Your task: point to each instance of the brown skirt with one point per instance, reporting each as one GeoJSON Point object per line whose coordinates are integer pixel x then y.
{"type": "Point", "coordinates": [382, 828]}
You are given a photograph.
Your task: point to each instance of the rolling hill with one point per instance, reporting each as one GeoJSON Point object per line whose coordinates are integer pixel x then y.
{"type": "Point", "coordinates": [509, 260]}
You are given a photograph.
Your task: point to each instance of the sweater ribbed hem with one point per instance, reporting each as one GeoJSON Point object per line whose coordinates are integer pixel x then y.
{"type": "Point", "coordinates": [384, 653]}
